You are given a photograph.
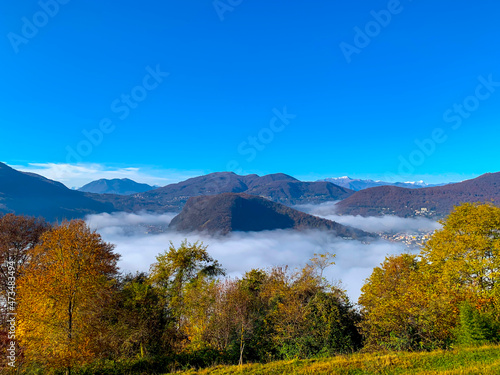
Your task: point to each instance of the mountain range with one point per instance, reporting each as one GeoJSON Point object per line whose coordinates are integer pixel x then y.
{"type": "Point", "coordinates": [31, 194]}
{"type": "Point", "coordinates": [34, 195]}
{"type": "Point", "coordinates": [278, 187]}
{"type": "Point", "coordinates": [358, 184]}
{"type": "Point", "coordinates": [119, 186]}
{"type": "Point", "coordinates": [432, 202]}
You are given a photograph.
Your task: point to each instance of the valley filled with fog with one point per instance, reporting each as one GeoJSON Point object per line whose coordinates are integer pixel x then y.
{"type": "Point", "coordinates": [139, 238]}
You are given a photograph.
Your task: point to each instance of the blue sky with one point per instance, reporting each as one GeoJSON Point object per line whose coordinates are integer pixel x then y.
{"type": "Point", "coordinates": [399, 90]}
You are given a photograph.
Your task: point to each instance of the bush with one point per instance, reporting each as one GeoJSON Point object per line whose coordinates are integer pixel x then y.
{"type": "Point", "coordinates": [475, 327]}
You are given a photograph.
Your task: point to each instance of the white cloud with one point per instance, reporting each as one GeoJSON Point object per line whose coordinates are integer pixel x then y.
{"type": "Point", "coordinates": [77, 175]}
{"type": "Point", "coordinates": [240, 252]}
{"type": "Point", "coordinates": [385, 224]}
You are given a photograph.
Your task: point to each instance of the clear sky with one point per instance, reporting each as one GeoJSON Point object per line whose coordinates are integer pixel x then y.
{"type": "Point", "coordinates": [381, 89]}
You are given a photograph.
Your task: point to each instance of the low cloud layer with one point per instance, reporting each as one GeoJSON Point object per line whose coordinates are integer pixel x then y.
{"type": "Point", "coordinates": [123, 222]}
{"type": "Point", "coordinates": [240, 252]}
{"type": "Point", "coordinates": [383, 224]}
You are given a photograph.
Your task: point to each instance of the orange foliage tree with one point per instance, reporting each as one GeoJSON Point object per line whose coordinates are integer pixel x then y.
{"type": "Point", "coordinates": [61, 295]}
{"type": "Point", "coordinates": [18, 234]}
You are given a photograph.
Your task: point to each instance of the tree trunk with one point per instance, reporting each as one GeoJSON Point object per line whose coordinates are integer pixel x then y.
{"type": "Point", "coordinates": [70, 330]}
{"type": "Point", "coordinates": [242, 346]}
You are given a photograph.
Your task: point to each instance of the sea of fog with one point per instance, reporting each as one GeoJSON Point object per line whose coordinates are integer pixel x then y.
{"type": "Point", "coordinates": [239, 252]}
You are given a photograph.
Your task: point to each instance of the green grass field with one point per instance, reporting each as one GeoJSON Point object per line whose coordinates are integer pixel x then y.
{"type": "Point", "coordinates": [482, 360]}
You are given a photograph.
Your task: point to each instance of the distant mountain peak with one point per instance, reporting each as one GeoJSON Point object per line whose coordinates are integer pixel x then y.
{"type": "Point", "coordinates": [119, 186]}
{"type": "Point", "coordinates": [359, 184]}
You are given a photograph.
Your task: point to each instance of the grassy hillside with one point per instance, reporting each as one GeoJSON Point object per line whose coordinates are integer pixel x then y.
{"type": "Point", "coordinates": [484, 360]}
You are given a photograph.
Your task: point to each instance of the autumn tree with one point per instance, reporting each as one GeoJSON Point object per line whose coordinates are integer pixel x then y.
{"type": "Point", "coordinates": [201, 303]}
{"type": "Point", "coordinates": [287, 294]}
{"type": "Point", "coordinates": [241, 308]}
{"type": "Point", "coordinates": [402, 307]}
{"type": "Point", "coordinates": [233, 311]}
{"type": "Point", "coordinates": [270, 314]}
{"type": "Point", "coordinates": [218, 318]}
{"type": "Point", "coordinates": [422, 302]}
{"type": "Point", "coordinates": [320, 262]}
{"type": "Point", "coordinates": [175, 271]}
{"type": "Point", "coordinates": [61, 295]}
{"type": "Point", "coordinates": [465, 254]}
{"type": "Point", "coordinates": [233, 320]}
{"type": "Point", "coordinates": [18, 235]}
{"type": "Point", "coordinates": [466, 251]}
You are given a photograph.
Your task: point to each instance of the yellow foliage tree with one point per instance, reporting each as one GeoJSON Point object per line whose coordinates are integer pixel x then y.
{"type": "Point", "coordinates": [414, 302]}
{"type": "Point", "coordinates": [183, 275]}
{"type": "Point", "coordinates": [61, 294]}
{"type": "Point", "coordinates": [403, 309]}
{"type": "Point", "coordinates": [466, 251]}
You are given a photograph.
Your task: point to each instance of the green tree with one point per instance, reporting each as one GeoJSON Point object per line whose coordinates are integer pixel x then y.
{"type": "Point", "coordinates": [138, 325]}
{"type": "Point", "coordinates": [309, 317]}
{"type": "Point", "coordinates": [331, 325]}
{"type": "Point", "coordinates": [258, 334]}
{"type": "Point", "coordinates": [475, 327]}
